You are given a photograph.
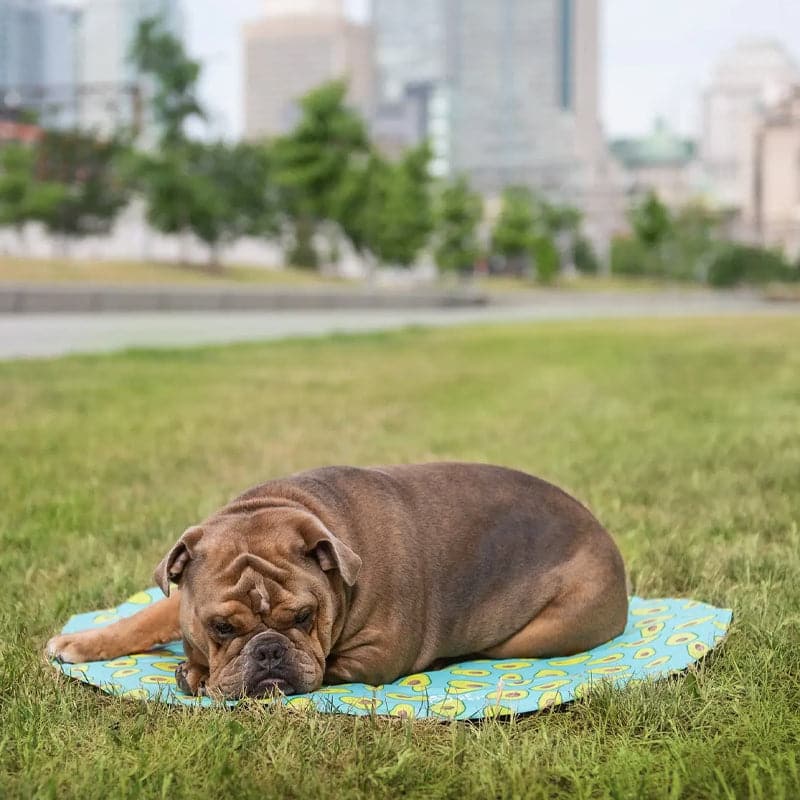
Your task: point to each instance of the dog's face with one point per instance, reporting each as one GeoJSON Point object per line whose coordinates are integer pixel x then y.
{"type": "Point", "coordinates": [261, 599]}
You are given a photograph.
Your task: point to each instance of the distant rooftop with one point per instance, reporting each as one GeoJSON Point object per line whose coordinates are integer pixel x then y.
{"type": "Point", "coordinates": [661, 147]}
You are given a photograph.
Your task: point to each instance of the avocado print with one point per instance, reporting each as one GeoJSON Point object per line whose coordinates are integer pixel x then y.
{"type": "Point", "coordinates": [125, 672]}
{"type": "Point", "coordinates": [657, 662]}
{"type": "Point", "coordinates": [417, 683]}
{"type": "Point", "coordinates": [464, 687]}
{"type": "Point", "coordinates": [662, 637]}
{"type": "Point", "coordinates": [494, 711]}
{"type": "Point", "coordinates": [127, 661]}
{"type": "Point", "coordinates": [165, 666]}
{"type": "Point", "coordinates": [472, 673]}
{"type": "Point", "coordinates": [407, 698]}
{"type": "Point", "coordinates": [165, 680]}
{"type": "Point", "coordinates": [693, 623]}
{"type": "Point", "coordinates": [615, 669]}
{"type": "Point", "coordinates": [140, 599]}
{"type": "Point", "coordinates": [551, 684]}
{"type": "Point", "coordinates": [550, 699]}
{"type": "Point", "coordinates": [608, 659]}
{"type": "Point", "coordinates": [136, 694]}
{"type": "Point", "coordinates": [448, 708]}
{"type": "Point", "coordinates": [508, 694]}
{"type": "Point", "coordinates": [568, 662]}
{"type": "Point", "coordinates": [649, 610]}
{"type": "Point", "coordinates": [299, 704]}
{"type": "Point", "coordinates": [681, 638]}
{"type": "Point", "coordinates": [364, 703]}
{"type": "Point", "coordinates": [698, 649]}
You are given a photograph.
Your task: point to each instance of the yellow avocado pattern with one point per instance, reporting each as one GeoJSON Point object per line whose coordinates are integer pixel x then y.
{"type": "Point", "coordinates": [663, 637]}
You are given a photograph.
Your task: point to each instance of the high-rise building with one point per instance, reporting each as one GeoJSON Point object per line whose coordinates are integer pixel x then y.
{"type": "Point", "coordinates": [108, 77]}
{"type": "Point", "coordinates": [775, 192]}
{"type": "Point", "coordinates": [511, 87]}
{"type": "Point", "coordinates": [748, 80]}
{"type": "Point", "coordinates": [21, 43]}
{"type": "Point", "coordinates": [38, 67]}
{"type": "Point", "coordinates": [294, 48]}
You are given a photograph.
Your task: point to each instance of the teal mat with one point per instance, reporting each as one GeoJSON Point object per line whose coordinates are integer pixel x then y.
{"type": "Point", "coordinates": [662, 637]}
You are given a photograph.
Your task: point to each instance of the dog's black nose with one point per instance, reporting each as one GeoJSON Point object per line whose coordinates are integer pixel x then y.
{"type": "Point", "coordinates": [268, 651]}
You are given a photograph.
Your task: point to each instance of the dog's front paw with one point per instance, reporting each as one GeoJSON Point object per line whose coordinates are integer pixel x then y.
{"type": "Point", "coordinates": [73, 648]}
{"type": "Point", "coordinates": [191, 679]}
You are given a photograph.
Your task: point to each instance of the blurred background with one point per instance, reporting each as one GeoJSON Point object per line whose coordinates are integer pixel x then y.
{"type": "Point", "coordinates": [541, 142]}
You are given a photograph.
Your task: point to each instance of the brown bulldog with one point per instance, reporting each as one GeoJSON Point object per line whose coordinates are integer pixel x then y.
{"type": "Point", "coordinates": [344, 574]}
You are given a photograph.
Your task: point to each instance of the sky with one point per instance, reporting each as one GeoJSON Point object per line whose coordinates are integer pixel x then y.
{"type": "Point", "coordinates": [658, 55]}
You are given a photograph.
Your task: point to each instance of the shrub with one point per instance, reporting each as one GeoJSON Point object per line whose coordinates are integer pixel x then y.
{"type": "Point", "coordinates": [584, 256]}
{"type": "Point", "coordinates": [745, 264]}
{"type": "Point", "coordinates": [630, 257]}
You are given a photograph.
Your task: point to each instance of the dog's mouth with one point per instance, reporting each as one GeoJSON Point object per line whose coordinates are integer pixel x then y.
{"type": "Point", "coordinates": [271, 686]}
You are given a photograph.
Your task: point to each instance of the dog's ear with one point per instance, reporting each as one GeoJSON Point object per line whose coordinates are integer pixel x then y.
{"type": "Point", "coordinates": [172, 565]}
{"type": "Point", "coordinates": [329, 551]}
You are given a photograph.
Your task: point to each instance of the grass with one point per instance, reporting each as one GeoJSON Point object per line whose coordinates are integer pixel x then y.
{"type": "Point", "coordinates": [55, 270]}
{"type": "Point", "coordinates": [683, 436]}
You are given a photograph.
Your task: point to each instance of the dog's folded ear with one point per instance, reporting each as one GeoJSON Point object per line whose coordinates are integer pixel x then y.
{"type": "Point", "coordinates": [330, 551]}
{"type": "Point", "coordinates": [172, 565]}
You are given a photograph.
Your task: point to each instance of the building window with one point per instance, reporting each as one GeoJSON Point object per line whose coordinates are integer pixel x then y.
{"type": "Point", "coordinates": [566, 10]}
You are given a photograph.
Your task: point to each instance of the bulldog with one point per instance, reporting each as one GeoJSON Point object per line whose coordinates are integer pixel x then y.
{"type": "Point", "coordinates": [346, 574]}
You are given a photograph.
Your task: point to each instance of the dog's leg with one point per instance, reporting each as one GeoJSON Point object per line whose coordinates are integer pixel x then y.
{"type": "Point", "coordinates": [154, 625]}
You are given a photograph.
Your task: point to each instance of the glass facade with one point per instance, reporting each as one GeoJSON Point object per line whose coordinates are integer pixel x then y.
{"type": "Point", "coordinates": [566, 53]}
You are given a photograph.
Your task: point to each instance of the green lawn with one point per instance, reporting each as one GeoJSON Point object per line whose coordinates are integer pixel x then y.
{"type": "Point", "coordinates": [56, 270]}
{"type": "Point", "coordinates": [683, 436]}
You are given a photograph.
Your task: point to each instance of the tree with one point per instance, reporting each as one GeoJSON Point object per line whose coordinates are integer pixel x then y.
{"type": "Point", "coordinates": [217, 191]}
{"type": "Point", "coordinates": [79, 184]}
{"type": "Point", "coordinates": [514, 231]}
{"type": "Point", "coordinates": [312, 161]}
{"type": "Point", "coordinates": [651, 221]}
{"type": "Point", "coordinates": [459, 213]}
{"type": "Point", "coordinates": [406, 215]}
{"type": "Point", "coordinates": [358, 200]}
{"type": "Point", "coordinates": [157, 53]}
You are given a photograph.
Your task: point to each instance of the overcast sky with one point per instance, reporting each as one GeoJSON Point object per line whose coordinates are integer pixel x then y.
{"type": "Point", "coordinates": [657, 54]}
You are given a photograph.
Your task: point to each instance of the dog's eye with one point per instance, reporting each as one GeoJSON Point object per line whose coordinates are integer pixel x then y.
{"type": "Point", "coordinates": [303, 618]}
{"type": "Point", "coordinates": [223, 628]}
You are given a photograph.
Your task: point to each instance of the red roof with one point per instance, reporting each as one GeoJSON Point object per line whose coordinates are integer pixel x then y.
{"type": "Point", "coordinates": [19, 132]}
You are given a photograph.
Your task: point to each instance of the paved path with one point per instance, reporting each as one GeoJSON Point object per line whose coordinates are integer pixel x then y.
{"type": "Point", "coordinates": [35, 335]}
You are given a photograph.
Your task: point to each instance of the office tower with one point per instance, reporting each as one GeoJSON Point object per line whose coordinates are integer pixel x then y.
{"type": "Point", "coordinates": [294, 48]}
{"type": "Point", "coordinates": [749, 79]}
{"type": "Point", "coordinates": [511, 87]}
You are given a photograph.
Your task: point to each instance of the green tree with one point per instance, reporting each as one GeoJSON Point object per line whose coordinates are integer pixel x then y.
{"type": "Point", "coordinates": [458, 216]}
{"type": "Point", "coordinates": [160, 55]}
{"type": "Point", "coordinates": [216, 191]}
{"type": "Point", "coordinates": [406, 215]}
{"type": "Point", "coordinates": [80, 185]}
{"type": "Point", "coordinates": [312, 162]}
{"type": "Point", "coordinates": [514, 232]}
{"type": "Point", "coordinates": [358, 201]}
{"type": "Point", "coordinates": [651, 221]}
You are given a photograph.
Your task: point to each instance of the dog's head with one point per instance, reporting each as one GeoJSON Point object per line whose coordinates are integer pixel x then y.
{"type": "Point", "coordinates": [262, 594]}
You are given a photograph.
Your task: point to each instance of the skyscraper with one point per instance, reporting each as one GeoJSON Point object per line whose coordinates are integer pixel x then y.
{"type": "Point", "coordinates": [748, 80]}
{"type": "Point", "coordinates": [21, 43]}
{"type": "Point", "coordinates": [38, 66]}
{"type": "Point", "coordinates": [107, 32]}
{"type": "Point", "coordinates": [513, 95]}
{"type": "Point", "coordinates": [296, 47]}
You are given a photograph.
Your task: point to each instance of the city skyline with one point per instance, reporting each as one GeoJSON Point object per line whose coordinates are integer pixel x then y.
{"type": "Point", "coordinates": [655, 61]}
